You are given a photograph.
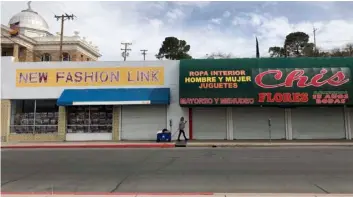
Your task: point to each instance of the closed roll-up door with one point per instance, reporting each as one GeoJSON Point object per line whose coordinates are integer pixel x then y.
{"type": "Point", "coordinates": [318, 123]}
{"type": "Point", "coordinates": [209, 123]}
{"type": "Point", "coordinates": [252, 123]}
{"type": "Point", "coordinates": [142, 122]}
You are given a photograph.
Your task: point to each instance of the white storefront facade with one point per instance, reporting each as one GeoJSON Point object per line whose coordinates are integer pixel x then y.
{"type": "Point", "coordinates": [83, 101]}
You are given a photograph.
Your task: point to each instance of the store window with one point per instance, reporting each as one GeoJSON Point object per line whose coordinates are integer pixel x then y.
{"type": "Point", "coordinates": [46, 57]}
{"type": "Point", "coordinates": [66, 57]}
{"type": "Point", "coordinates": [34, 116]}
{"type": "Point", "coordinates": [90, 119]}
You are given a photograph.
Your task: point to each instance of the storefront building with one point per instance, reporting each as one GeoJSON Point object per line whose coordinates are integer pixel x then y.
{"type": "Point", "coordinates": [227, 99]}
{"type": "Point", "coordinates": [70, 101]}
{"type": "Point", "coordinates": [270, 98]}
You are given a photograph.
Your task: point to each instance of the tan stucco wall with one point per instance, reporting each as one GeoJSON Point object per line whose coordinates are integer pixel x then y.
{"type": "Point", "coordinates": [116, 122]}
{"type": "Point", "coordinates": [62, 124]}
{"type": "Point", "coordinates": [16, 52]}
{"type": "Point", "coordinates": [43, 137]}
{"type": "Point", "coordinates": [5, 119]}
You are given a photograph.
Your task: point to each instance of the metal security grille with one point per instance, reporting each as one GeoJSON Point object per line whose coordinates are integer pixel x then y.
{"type": "Point", "coordinates": [143, 122]}
{"type": "Point", "coordinates": [34, 116]}
{"type": "Point", "coordinates": [209, 123]}
{"type": "Point", "coordinates": [318, 123]}
{"type": "Point", "coordinates": [89, 119]}
{"type": "Point", "coordinates": [252, 123]}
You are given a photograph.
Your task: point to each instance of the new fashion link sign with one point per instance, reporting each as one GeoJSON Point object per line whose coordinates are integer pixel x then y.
{"type": "Point", "coordinates": [212, 85]}
{"type": "Point", "coordinates": [113, 76]}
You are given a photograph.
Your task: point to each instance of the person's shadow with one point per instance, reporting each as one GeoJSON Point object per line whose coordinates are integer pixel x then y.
{"type": "Point", "coordinates": [181, 143]}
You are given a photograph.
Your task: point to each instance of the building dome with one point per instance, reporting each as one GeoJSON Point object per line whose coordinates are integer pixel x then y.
{"type": "Point", "coordinates": [30, 19]}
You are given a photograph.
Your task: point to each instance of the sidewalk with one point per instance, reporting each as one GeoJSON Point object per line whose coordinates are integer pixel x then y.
{"type": "Point", "coordinates": [91, 144]}
{"type": "Point", "coordinates": [152, 144]}
{"type": "Point", "coordinates": [179, 194]}
{"type": "Point", "coordinates": [267, 143]}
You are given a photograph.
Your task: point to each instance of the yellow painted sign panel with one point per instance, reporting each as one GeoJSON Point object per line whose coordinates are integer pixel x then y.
{"type": "Point", "coordinates": [118, 76]}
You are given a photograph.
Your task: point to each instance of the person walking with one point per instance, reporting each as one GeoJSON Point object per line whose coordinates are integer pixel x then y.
{"type": "Point", "coordinates": [181, 128]}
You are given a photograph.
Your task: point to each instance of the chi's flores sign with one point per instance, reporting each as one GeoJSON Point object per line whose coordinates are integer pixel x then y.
{"type": "Point", "coordinates": [266, 86]}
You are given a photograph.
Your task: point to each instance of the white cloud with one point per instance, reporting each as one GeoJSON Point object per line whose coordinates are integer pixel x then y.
{"type": "Point", "coordinates": [157, 24]}
{"type": "Point", "coordinates": [240, 21]}
{"type": "Point", "coordinates": [330, 34]}
{"type": "Point", "coordinates": [226, 14]}
{"type": "Point", "coordinates": [108, 24]}
{"type": "Point", "coordinates": [175, 14]}
{"type": "Point", "coordinates": [216, 21]}
{"type": "Point", "coordinates": [199, 4]}
{"type": "Point", "coordinates": [256, 20]}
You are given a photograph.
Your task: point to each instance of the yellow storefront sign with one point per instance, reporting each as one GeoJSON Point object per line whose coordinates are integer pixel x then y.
{"type": "Point", "coordinates": [118, 76]}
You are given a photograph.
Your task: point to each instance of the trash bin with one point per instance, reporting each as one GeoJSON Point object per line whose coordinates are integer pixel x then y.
{"type": "Point", "coordinates": [164, 136]}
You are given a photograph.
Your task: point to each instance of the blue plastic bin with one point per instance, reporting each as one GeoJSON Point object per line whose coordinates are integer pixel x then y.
{"type": "Point", "coordinates": [164, 137]}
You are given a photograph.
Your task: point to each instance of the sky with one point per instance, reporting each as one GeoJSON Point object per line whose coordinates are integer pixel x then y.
{"type": "Point", "coordinates": [209, 27]}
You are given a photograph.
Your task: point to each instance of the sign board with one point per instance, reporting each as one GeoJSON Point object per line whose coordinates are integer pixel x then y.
{"type": "Point", "coordinates": [118, 76]}
{"type": "Point", "coordinates": [270, 81]}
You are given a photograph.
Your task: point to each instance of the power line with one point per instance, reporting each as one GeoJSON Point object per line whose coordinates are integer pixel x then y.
{"type": "Point", "coordinates": [144, 53]}
{"type": "Point", "coordinates": [63, 17]}
{"type": "Point", "coordinates": [125, 50]}
{"type": "Point", "coordinates": [330, 41]}
{"type": "Point", "coordinates": [314, 31]}
{"type": "Point", "coordinates": [315, 48]}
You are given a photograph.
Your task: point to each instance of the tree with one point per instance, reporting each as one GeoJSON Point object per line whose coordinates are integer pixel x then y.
{"type": "Point", "coordinates": [219, 55]}
{"type": "Point", "coordinates": [276, 51]}
{"type": "Point", "coordinates": [309, 50]}
{"type": "Point", "coordinates": [322, 53]}
{"type": "Point", "coordinates": [174, 49]}
{"type": "Point", "coordinates": [296, 44]}
{"type": "Point", "coordinates": [337, 52]}
{"type": "Point", "coordinates": [349, 49]}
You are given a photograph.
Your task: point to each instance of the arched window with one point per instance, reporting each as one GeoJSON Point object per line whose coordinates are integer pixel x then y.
{"type": "Point", "coordinates": [46, 57]}
{"type": "Point", "coordinates": [66, 57]}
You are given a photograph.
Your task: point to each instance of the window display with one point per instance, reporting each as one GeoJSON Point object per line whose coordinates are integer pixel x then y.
{"type": "Point", "coordinates": [90, 119]}
{"type": "Point", "coordinates": [34, 116]}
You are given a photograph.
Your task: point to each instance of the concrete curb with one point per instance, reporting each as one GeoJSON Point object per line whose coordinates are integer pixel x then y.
{"type": "Point", "coordinates": [62, 146]}
{"type": "Point", "coordinates": [102, 194]}
{"type": "Point", "coordinates": [214, 145]}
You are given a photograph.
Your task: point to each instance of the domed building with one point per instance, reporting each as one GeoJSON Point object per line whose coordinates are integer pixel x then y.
{"type": "Point", "coordinates": [34, 42]}
{"type": "Point", "coordinates": [31, 23]}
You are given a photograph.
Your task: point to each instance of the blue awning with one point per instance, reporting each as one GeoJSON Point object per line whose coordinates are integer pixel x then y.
{"type": "Point", "coordinates": [120, 96]}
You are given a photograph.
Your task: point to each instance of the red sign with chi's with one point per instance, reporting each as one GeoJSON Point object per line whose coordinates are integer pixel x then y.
{"type": "Point", "coordinates": [266, 86]}
{"type": "Point", "coordinates": [305, 85]}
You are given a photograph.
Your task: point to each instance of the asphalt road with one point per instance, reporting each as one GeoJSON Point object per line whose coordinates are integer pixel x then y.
{"type": "Point", "coordinates": [276, 169]}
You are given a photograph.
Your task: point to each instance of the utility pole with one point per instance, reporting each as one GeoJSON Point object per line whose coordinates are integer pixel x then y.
{"type": "Point", "coordinates": [144, 53]}
{"type": "Point", "coordinates": [63, 17]}
{"type": "Point", "coordinates": [125, 50]}
{"type": "Point", "coordinates": [314, 31]}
